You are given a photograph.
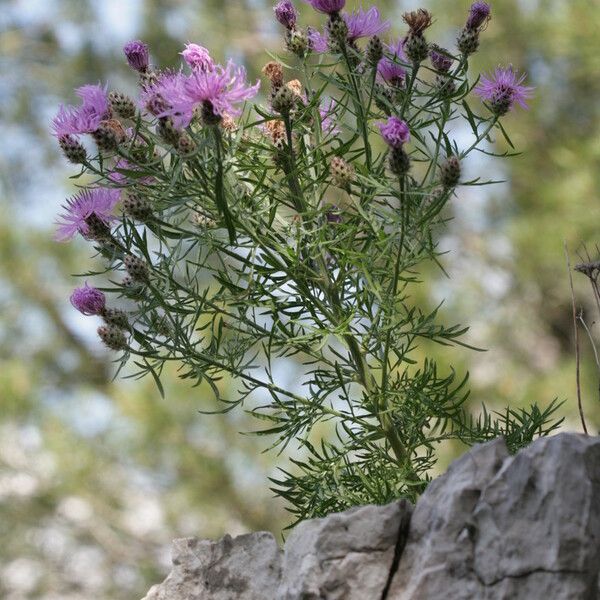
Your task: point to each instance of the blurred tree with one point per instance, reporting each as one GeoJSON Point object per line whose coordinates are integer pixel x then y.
{"type": "Point", "coordinates": [96, 477]}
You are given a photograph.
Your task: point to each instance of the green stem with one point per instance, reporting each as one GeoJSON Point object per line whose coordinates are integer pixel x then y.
{"type": "Point", "coordinates": [480, 137]}
{"type": "Point", "coordinates": [291, 171]}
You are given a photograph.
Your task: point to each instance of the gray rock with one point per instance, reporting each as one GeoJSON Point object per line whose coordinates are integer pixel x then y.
{"type": "Point", "coordinates": [344, 556]}
{"type": "Point", "coordinates": [497, 526]}
{"type": "Point", "coordinates": [247, 567]}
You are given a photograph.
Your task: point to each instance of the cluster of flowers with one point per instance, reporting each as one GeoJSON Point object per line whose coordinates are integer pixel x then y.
{"type": "Point", "coordinates": [209, 94]}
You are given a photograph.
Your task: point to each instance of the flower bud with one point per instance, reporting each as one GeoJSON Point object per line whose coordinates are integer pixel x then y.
{"type": "Point", "coordinates": [72, 149]}
{"type": "Point", "coordinates": [97, 229]}
{"type": "Point", "coordinates": [284, 99]}
{"type": "Point", "coordinates": [202, 221]}
{"type": "Point", "coordinates": [112, 337]}
{"type": "Point", "coordinates": [341, 172]}
{"type": "Point", "coordinates": [122, 105]}
{"type": "Point", "coordinates": [137, 207]}
{"type": "Point", "coordinates": [450, 172]}
{"type": "Point", "coordinates": [337, 32]}
{"type": "Point", "coordinates": [416, 47]}
{"type": "Point", "coordinates": [296, 42]}
{"type": "Point", "coordinates": [399, 161]}
{"type": "Point", "coordinates": [88, 300]}
{"type": "Point", "coordinates": [137, 55]}
{"type": "Point", "coordinates": [109, 135]}
{"type": "Point", "coordinates": [273, 71]}
{"type": "Point", "coordinates": [186, 145]}
{"type": "Point", "coordinates": [468, 41]}
{"type": "Point", "coordinates": [286, 14]}
{"type": "Point", "coordinates": [374, 52]}
{"type": "Point", "coordinates": [136, 268]}
{"type": "Point", "coordinates": [116, 317]}
{"type": "Point", "coordinates": [168, 131]}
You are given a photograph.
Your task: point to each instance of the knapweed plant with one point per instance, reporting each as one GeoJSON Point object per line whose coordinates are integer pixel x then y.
{"type": "Point", "coordinates": [281, 242]}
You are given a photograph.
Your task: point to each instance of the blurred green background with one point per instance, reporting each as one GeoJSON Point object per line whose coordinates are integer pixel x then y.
{"type": "Point", "coordinates": [97, 476]}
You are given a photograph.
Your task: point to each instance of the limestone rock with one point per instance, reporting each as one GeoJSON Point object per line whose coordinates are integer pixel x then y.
{"type": "Point", "coordinates": [243, 568]}
{"type": "Point", "coordinates": [344, 556]}
{"type": "Point", "coordinates": [508, 527]}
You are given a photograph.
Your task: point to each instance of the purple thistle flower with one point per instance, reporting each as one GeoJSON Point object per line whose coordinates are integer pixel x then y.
{"type": "Point", "coordinates": [286, 14]}
{"type": "Point", "coordinates": [394, 132]}
{"type": "Point", "coordinates": [503, 90]}
{"type": "Point", "coordinates": [365, 23]}
{"type": "Point", "coordinates": [98, 202]}
{"type": "Point", "coordinates": [317, 41]}
{"type": "Point", "coordinates": [478, 14]}
{"type": "Point", "coordinates": [198, 57]}
{"type": "Point", "coordinates": [71, 120]}
{"type": "Point", "coordinates": [388, 68]}
{"type": "Point", "coordinates": [222, 89]}
{"type": "Point", "coordinates": [329, 7]}
{"type": "Point", "coordinates": [137, 55]}
{"type": "Point", "coordinates": [88, 300]}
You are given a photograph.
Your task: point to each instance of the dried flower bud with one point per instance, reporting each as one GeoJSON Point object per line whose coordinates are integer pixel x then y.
{"type": "Point", "coordinates": [228, 124]}
{"type": "Point", "coordinates": [202, 221]}
{"type": "Point", "coordinates": [418, 20]}
{"type": "Point", "coordinates": [450, 172]}
{"type": "Point", "coordinates": [112, 337]}
{"type": "Point", "coordinates": [273, 71]}
{"type": "Point", "coordinates": [136, 268]}
{"type": "Point", "coordinates": [341, 172]}
{"type": "Point", "coordinates": [122, 105]}
{"type": "Point", "coordinates": [72, 149]}
{"type": "Point", "coordinates": [109, 135]}
{"type": "Point", "coordinates": [137, 207]}
{"type": "Point", "coordinates": [276, 131]}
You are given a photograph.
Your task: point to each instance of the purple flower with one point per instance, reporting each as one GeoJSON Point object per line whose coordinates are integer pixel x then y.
{"type": "Point", "coordinates": [394, 132]}
{"type": "Point", "coordinates": [503, 90]}
{"type": "Point", "coordinates": [98, 202]}
{"type": "Point", "coordinates": [222, 89]}
{"type": "Point", "coordinates": [137, 55]}
{"type": "Point", "coordinates": [197, 57]}
{"type": "Point", "coordinates": [365, 24]}
{"type": "Point", "coordinates": [88, 300]}
{"type": "Point", "coordinates": [327, 112]}
{"type": "Point", "coordinates": [478, 14]}
{"type": "Point", "coordinates": [388, 68]}
{"type": "Point", "coordinates": [153, 97]}
{"type": "Point", "coordinates": [286, 14]}
{"type": "Point", "coordinates": [71, 120]}
{"type": "Point", "coordinates": [440, 60]}
{"type": "Point", "coordinates": [327, 6]}
{"type": "Point", "coordinates": [317, 41]}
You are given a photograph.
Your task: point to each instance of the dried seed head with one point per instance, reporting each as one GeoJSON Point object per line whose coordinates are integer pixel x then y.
{"type": "Point", "coordinates": [202, 221]}
{"type": "Point", "coordinates": [228, 124]}
{"type": "Point", "coordinates": [295, 86]}
{"type": "Point", "coordinates": [112, 337]}
{"type": "Point", "coordinates": [418, 20]}
{"type": "Point", "coordinates": [276, 131]}
{"type": "Point", "coordinates": [273, 71]}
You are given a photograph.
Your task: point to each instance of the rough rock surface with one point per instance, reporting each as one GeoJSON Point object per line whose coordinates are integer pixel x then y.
{"type": "Point", "coordinates": [247, 567]}
{"type": "Point", "coordinates": [493, 527]}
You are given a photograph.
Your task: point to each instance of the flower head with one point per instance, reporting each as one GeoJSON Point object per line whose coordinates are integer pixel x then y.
{"type": "Point", "coordinates": [440, 59]}
{"type": "Point", "coordinates": [329, 7]}
{"type": "Point", "coordinates": [137, 55]}
{"type": "Point", "coordinates": [286, 14]}
{"type": "Point", "coordinates": [418, 20]}
{"type": "Point", "coordinates": [198, 57]}
{"type": "Point", "coordinates": [88, 300]}
{"type": "Point", "coordinates": [221, 89]}
{"type": "Point", "coordinates": [74, 120]}
{"type": "Point", "coordinates": [394, 132]}
{"type": "Point", "coordinates": [317, 41]}
{"type": "Point", "coordinates": [479, 13]}
{"type": "Point", "coordinates": [388, 68]}
{"type": "Point", "coordinates": [363, 23]}
{"type": "Point", "coordinates": [95, 203]}
{"type": "Point", "coordinates": [503, 89]}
